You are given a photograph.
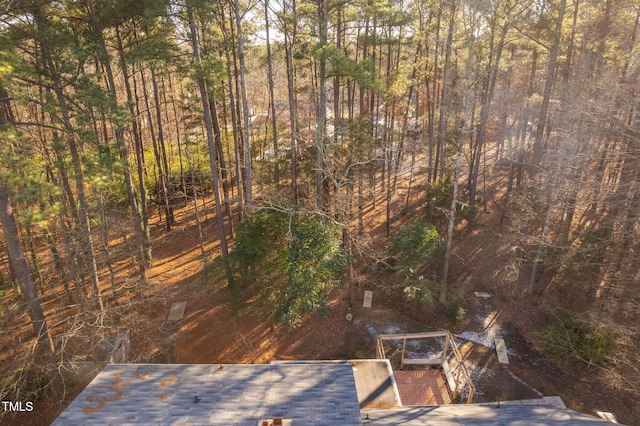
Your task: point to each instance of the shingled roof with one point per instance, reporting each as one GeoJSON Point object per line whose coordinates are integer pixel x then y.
{"type": "Point", "coordinates": [479, 415]}
{"type": "Point", "coordinates": [308, 393]}
{"type": "Point", "coordinates": [216, 394]}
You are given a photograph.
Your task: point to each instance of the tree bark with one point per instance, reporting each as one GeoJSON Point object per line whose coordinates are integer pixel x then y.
{"type": "Point", "coordinates": [543, 240]}
{"type": "Point", "coordinates": [290, 41]}
{"type": "Point", "coordinates": [321, 112]}
{"type": "Point", "coordinates": [234, 123]}
{"type": "Point", "coordinates": [204, 95]}
{"type": "Point", "coordinates": [544, 108]}
{"type": "Point", "coordinates": [122, 148]}
{"type": "Point", "coordinates": [438, 168]}
{"type": "Point", "coordinates": [163, 148]}
{"type": "Point", "coordinates": [487, 98]}
{"type": "Point", "coordinates": [141, 220]}
{"type": "Point", "coordinates": [21, 270]}
{"type": "Point", "coordinates": [245, 111]}
{"type": "Point", "coordinates": [452, 219]}
{"type": "Point", "coordinates": [272, 101]}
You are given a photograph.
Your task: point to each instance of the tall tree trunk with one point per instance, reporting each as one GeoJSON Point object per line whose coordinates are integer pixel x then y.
{"type": "Point", "coordinates": [141, 219]}
{"type": "Point", "coordinates": [177, 119]}
{"type": "Point", "coordinates": [321, 112]}
{"type": "Point", "coordinates": [238, 127]}
{"type": "Point", "coordinates": [438, 166]}
{"type": "Point", "coordinates": [21, 271]}
{"type": "Point", "coordinates": [163, 145]}
{"type": "Point", "coordinates": [546, 96]}
{"type": "Point", "coordinates": [566, 68]}
{"type": "Point", "coordinates": [161, 178]}
{"type": "Point", "coordinates": [56, 87]}
{"type": "Point", "coordinates": [221, 162]}
{"type": "Point", "coordinates": [204, 95]}
{"type": "Point", "coordinates": [162, 159]}
{"type": "Point", "coordinates": [68, 195]}
{"type": "Point", "coordinates": [85, 221]}
{"type": "Point", "coordinates": [289, 43]}
{"type": "Point", "coordinates": [487, 98]}
{"type": "Point", "coordinates": [234, 123]}
{"type": "Point", "coordinates": [245, 111]}
{"type": "Point", "coordinates": [452, 219]}
{"type": "Point", "coordinates": [541, 245]}
{"type": "Point", "coordinates": [34, 260]}
{"type": "Point", "coordinates": [272, 101]}
{"type": "Point", "coordinates": [195, 201]}
{"type": "Point", "coordinates": [432, 101]}
{"type": "Point", "coordinates": [465, 129]}
{"type": "Point", "coordinates": [337, 110]}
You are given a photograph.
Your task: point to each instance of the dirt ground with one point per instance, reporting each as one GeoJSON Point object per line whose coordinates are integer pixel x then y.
{"type": "Point", "coordinates": [218, 328]}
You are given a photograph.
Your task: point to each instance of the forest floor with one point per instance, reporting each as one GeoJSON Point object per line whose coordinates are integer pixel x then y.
{"type": "Point", "coordinates": [217, 328]}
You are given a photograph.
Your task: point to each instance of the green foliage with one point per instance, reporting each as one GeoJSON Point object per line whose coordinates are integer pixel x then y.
{"type": "Point", "coordinates": [416, 245]}
{"type": "Point", "coordinates": [289, 262]}
{"type": "Point", "coordinates": [582, 262]}
{"type": "Point", "coordinates": [438, 199]}
{"type": "Point", "coordinates": [420, 292]}
{"type": "Point", "coordinates": [7, 298]}
{"type": "Point", "coordinates": [575, 341]}
{"type": "Point", "coordinates": [22, 173]}
{"type": "Point", "coordinates": [438, 202]}
{"type": "Point", "coordinates": [363, 72]}
{"type": "Point", "coordinates": [104, 179]}
{"type": "Point", "coordinates": [196, 171]}
{"type": "Point", "coordinates": [213, 272]}
{"type": "Point", "coordinates": [113, 12]}
{"type": "Point", "coordinates": [456, 313]}
{"type": "Point", "coordinates": [24, 384]}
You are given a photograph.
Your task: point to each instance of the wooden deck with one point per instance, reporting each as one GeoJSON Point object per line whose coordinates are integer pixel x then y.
{"type": "Point", "coordinates": [421, 387]}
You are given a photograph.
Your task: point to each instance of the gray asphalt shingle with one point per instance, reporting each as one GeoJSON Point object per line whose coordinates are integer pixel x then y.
{"type": "Point", "coordinates": [478, 415]}
{"type": "Point", "coordinates": [308, 393]}
{"type": "Point", "coordinates": [226, 394]}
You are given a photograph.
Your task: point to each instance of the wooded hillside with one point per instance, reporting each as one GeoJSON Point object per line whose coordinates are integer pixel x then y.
{"type": "Point", "coordinates": [116, 113]}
